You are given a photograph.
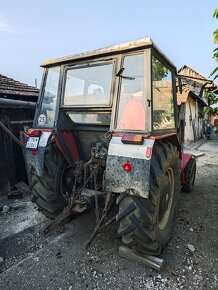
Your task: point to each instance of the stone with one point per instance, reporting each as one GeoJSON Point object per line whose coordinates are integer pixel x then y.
{"type": "Point", "coordinates": [191, 247]}
{"type": "Point", "coordinates": [1, 261]}
{"type": "Point", "coordinates": [6, 209]}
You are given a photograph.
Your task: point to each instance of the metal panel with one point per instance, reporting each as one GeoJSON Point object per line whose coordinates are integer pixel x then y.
{"type": "Point", "coordinates": [136, 181]}
{"type": "Point", "coordinates": [37, 161]}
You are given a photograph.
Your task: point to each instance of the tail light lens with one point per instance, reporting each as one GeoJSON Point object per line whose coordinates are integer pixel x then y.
{"type": "Point", "coordinates": [34, 152]}
{"type": "Point", "coordinates": [34, 133]}
{"type": "Point", "coordinates": [127, 166]}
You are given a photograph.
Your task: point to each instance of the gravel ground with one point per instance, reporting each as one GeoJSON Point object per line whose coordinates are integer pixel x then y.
{"type": "Point", "coordinates": [61, 261]}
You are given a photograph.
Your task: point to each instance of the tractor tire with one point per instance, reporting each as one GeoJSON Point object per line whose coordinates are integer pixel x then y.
{"type": "Point", "coordinates": [189, 175]}
{"type": "Point", "coordinates": [50, 192]}
{"type": "Point", "coordinates": [146, 224]}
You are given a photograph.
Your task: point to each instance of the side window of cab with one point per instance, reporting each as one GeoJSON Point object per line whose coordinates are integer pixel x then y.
{"type": "Point", "coordinates": [46, 116]}
{"type": "Point", "coordinates": [162, 91]}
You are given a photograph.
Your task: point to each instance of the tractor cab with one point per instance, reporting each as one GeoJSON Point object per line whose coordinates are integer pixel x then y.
{"type": "Point", "coordinates": [128, 88]}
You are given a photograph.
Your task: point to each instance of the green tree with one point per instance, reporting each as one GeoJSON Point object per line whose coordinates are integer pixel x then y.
{"type": "Point", "coordinates": [212, 99]}
{"type": "Point", "coordinates": [215, 55]}
{"type": "Point", "coordinates": [211, 96]}
{"type": "Point", "coordinates": [159, 71]}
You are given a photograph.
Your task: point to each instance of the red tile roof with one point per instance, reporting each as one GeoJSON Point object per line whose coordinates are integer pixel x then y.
{"type": "Point", "coordinates": [181, 98]}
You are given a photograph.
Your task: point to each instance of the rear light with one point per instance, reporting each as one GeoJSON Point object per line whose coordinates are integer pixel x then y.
{"type": "Point", "coordinates": [148, 152]}
{"type": "Point", "coordinates": [34, 133]}
{"type": "Point", "coordinates": [34, 152]}
{"type": "Point", "coordinates": [132, 139]}
{"type": "Point", "coordinates": [127, 166]}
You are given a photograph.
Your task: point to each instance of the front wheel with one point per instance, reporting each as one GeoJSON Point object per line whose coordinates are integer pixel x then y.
{"type": "Point", "coordinates": [146, 224]}
{"type": "Point", "coordinates": [189, 175]}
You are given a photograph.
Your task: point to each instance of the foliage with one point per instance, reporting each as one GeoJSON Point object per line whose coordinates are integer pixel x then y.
{"type": "Point", "coordinates": [159, 71]}
{"type": "Point", "coordinates": [215, 55]}
{"type": "Point", "coordinates": [215, 14]}
{"type": "Point", "coordinates": [211, 111]}
{"type": "Point", "coordinates": [211, 96]}
{"type": "Point", "coordinates": [212, 99]}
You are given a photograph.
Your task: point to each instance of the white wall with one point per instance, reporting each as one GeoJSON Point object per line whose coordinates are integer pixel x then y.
{"type": "Point", "coordinates": [192, 119]}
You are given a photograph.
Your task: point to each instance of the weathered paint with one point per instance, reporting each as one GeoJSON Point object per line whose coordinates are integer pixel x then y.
{"type": "Point", "coordinates": [194, 121]}
{"type": "Point", "coordinates": [136, 181]}
{"type": "Point", "coordinates": [70, 142]}
{"type": "Point", "coordinates": [37, 160]}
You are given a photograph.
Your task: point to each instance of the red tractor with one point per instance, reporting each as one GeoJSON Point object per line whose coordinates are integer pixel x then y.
{"type": "Point", "coordinates": [106, 127]}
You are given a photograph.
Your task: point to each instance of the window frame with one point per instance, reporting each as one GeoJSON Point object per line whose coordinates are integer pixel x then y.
{"type": "Point", "coordinates": [173, 74]}
{"type": "Point", "coordinates": [40, 99]}
{"type": "Point", "coordinates": [146, 53]}
{"type": "Point", "coordinates": [93, 63]}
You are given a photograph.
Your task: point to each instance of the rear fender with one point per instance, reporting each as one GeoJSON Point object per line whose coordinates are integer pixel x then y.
{"type": "Point", "coordinates": [186, 158]}
{"type": "Point", "coordinates": [35, 158]}
{"type": "Point", "coordinates": [171, 138]}
{"type": "Point", "coordinates": [136, 181]}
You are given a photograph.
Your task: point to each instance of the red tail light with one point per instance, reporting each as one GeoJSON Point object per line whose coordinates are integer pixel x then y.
{"type": "Point", "coordinates": [34, 133]}
{"type": "Point", "coordinates": [127, 166]}
{"type": "Point", "coordinates": [34, 152]}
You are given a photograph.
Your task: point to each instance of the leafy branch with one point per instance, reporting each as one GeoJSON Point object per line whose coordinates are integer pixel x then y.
{"type": "Point", "coordinates": [215, 55]}
{"type": "Point", "coordinates": [212, 99]}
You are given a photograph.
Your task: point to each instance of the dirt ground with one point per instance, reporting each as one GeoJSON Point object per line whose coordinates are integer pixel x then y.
{"type": "Point", "coordinates": [31, 260]}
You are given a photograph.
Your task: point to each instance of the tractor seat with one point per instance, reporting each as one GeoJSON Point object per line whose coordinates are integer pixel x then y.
{"type": "Point", "coordinates": [132, 116]}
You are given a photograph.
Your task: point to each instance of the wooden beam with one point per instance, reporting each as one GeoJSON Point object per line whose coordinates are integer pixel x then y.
{"type": "Point", "coordinates": [145, 260]}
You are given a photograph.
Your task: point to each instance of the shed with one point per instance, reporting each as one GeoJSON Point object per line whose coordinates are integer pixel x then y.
{"type": "Point", "coordinates": [191, 103]}
{"type": "Point", "coordinates": [17, 107]}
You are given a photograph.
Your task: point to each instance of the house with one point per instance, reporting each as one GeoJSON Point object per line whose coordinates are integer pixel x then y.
{"type": "Point", "coordinates": [17, 106]}
{"type": "Point", "coordinates": [191, 103]}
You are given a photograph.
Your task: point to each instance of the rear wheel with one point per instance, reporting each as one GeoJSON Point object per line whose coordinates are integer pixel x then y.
{"type": "Point", "coordinates": [51, 191]}
{"type": "Point", "coordinates": [147, 224]}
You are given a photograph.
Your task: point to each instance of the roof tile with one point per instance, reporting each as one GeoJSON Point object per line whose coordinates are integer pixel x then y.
{"type": "Point", "coordinates": [9, 86]}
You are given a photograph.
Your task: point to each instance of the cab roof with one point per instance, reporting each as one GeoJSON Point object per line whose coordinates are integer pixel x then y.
{"type": "Point", "coordinates": [107, 51]}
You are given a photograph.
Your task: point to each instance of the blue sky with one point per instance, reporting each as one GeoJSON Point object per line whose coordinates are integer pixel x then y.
{"type": "Point", "coordinates": [33, 31]}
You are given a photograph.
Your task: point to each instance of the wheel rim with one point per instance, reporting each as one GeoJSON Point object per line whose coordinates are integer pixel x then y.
{"type": "Point", "coordinates": [66, 182]}
{"type": "Point", "coordinates": [166, 199]}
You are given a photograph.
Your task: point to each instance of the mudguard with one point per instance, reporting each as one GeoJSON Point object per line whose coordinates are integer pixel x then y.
{"type": "Point", "coordinates": [136, 181]}
{"type": "Point", "coordinates": [36, 160]}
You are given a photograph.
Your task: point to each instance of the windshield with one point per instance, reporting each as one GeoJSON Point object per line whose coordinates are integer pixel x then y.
{"type": "Point", "coordinates": [88, 86]}
{"type": "Point", "coordinates": [46, 116]}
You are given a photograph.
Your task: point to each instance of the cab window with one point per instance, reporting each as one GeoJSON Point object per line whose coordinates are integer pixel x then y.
{"type": "Point", "coordinates": [46, 116]}
{"type": "Point", "coordinates": [131, 107]}
{"type": "Point", "coordinates": [89, 85]}
{"type": "Point", "coordinates": [162, 89]}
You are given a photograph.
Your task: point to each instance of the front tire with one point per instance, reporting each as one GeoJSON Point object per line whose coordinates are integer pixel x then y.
{"type": "Point", "coordinates": [146, 224]}
{"type": "Point", "coordinates": [189, 175]}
